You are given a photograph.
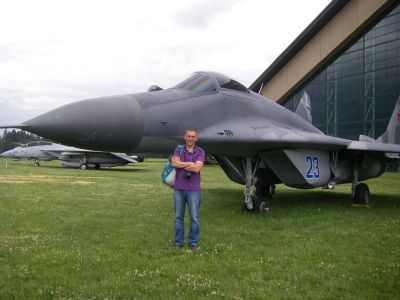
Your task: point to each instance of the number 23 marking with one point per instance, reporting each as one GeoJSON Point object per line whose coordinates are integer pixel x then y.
{"type": "Point", "coordinates": [313, 167]}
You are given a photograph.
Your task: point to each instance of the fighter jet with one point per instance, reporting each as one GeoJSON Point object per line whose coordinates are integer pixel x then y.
{"type": "Point", "coordinates": [70, 156]}
{"type": "Point", "coordinates": [29, 151]}
{"type": "Point", "coordinates": [257, 142]}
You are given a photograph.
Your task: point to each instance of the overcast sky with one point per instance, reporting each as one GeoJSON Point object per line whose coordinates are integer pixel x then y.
{"type": "Point", "coordinates": [56, 52]}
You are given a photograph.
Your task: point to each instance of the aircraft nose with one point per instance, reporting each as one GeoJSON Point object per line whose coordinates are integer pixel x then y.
{"type": "Point", "coordinates": [104, 124]}
{"type": "Point", "coordinates": [6, 154]}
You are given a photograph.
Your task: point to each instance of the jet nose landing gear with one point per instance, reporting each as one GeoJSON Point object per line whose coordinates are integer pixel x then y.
{"type": "Point", "coordinates": [255, 201]}
{"type": "Point", "coordinates": [258, 203]}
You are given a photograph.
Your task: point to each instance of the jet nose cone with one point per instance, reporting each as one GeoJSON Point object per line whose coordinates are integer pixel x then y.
{"type": "Point", "coordinates": [105, 124]}
{"type": "Point", "coordinates": [6, 154]}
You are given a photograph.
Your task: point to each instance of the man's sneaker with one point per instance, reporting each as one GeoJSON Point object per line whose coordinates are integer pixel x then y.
{"type": "Point", "coordinates": [194, 247]}
{"type": "Point", "coordinates": [178, 246]}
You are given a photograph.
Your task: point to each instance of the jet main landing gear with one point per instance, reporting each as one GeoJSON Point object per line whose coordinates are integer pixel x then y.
{"type": "Point", "coordinates": [83, 165]}
{"type": "Point", "coordinates": [359, 191]}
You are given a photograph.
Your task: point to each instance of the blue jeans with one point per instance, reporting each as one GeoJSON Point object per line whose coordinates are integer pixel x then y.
{"type": "Point", "coordinates": [193, 199]}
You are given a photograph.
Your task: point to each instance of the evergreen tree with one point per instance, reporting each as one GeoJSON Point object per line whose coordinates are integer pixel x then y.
{"type": "Point", "coordinates": [13, 138]}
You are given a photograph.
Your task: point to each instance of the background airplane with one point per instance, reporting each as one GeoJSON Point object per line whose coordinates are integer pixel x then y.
{"type": "Point", "coordinates": [257, 142]}
{"type": "Point", "coordinates": [70, 156]}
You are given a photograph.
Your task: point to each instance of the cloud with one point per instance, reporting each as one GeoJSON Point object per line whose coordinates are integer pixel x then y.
{"type": "Point", "coordinates": [200, 14]}
{"type": "Point", "coordinates": [52, 53]}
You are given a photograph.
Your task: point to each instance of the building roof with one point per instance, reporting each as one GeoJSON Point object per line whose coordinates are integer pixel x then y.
{"type": "Point", "coordinates": [319, 22]}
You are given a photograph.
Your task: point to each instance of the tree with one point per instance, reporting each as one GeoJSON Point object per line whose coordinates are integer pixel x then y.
{"type": "Point", "coordinates": [11, 139]}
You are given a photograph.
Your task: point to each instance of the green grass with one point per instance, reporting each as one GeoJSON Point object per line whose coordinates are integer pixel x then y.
{"type": "Point", "coordinates": [97, 234]}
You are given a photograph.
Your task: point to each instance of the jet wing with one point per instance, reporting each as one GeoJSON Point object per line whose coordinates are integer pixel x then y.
{"type": "Point", "coordinates": [66, 151]}
{"type": "Point", "coordinates": [56, 154]}
{"type": "Point", "coordinates": [61, 152]}
{"type": "Point", "coordinates": [71, 151]}
{"type": "Point", "coordinates": [247, 137]}
{"type": "Point", "coordinates": [374, 147]}
{"type": "Point", "coordinates": [124, 156]}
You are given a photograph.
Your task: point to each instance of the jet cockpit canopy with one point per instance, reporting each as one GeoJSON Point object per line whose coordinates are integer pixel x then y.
{"type": "Point", "coordinates": [203, 82]}
{"type": "Point", "coordinates": [37, 143]}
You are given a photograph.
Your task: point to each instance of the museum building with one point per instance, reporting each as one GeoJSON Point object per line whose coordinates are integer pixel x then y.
{"type": "Point", "coordinates": [348, 63]}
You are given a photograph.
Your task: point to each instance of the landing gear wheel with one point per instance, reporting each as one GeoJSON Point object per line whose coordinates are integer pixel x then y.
{"type": "Point", "coordinates": [243, 207]}
{"type": "Point", "coordinates": [361, 194]}
{"type": "Point", "coordinates": [331, 185]}
{"type": "Point", "coordinates": [253, 206]}
{"type": "Point", "coordinates": [83, 166]}
{"type": "Point", "coordinates": [260, 206]}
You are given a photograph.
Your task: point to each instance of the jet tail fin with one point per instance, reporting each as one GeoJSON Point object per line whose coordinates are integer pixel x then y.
{"type": "Point", "coordinates": [366, 138]}
{"type": "Point", "coordinates": [392, 133]}
{"type": "Point", "coordinates": [304, 107]}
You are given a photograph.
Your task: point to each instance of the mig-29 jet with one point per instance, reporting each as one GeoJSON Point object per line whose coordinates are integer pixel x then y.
{"type": "Point", "coordinates": [257, 142]}
{"type": "Point", "coordinates": [70, 156]}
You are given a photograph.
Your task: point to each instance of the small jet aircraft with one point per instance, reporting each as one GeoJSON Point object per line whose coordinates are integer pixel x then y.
{"type": "Point", "coordinates": [70, 156]}
{"type": "Point", "coordinates": [29, 151]}
{"type": "Point", "coordinates": [257, 142]}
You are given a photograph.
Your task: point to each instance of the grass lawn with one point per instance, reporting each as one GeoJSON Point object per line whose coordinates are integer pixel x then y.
{"type": "Point", "coordinates": [97, 234]}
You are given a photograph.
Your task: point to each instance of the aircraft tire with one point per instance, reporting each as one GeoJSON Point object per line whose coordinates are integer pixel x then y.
{"type": "Point", "coordinates": [361, 194]}
{"type": "Point", "coordinates": [246, 209]}
{"type": "Point", "coordinates": [331, 185]}
{"type": "Point", "coordinates": [83, 166]}
{"type": "Point", "coordinates": [260, 205]}
{"type": "Point", "coordinates": [265, 190]}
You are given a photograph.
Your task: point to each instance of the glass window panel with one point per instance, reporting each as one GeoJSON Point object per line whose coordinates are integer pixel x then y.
{"type": "Point", "coordinates": [366, 75]}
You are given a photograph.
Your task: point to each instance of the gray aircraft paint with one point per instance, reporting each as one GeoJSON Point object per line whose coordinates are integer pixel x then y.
{"type": "Point", "coordinates": [300, 168]}
{"type": "Point", "coordinates": [71, 156]}
{"type": "Point", "coordinates": [304, 107]}
{"type": "Point", "coordinates": [392, 134]}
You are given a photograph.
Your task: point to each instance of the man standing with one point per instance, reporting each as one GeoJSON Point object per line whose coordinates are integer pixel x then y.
{"type": "Point", "coordinates": [188, 163]}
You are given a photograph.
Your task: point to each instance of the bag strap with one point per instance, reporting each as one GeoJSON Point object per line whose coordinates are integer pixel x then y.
{"type": "Point", "coordinates": [181, 148]}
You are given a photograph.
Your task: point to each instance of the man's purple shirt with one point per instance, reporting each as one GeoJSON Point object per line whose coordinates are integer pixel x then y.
{"type": "Point", "coordinates": [188, 183]}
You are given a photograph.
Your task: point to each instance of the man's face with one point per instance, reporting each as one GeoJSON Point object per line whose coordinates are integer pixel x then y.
{"type": "Point", "coordinates": [190, 138]}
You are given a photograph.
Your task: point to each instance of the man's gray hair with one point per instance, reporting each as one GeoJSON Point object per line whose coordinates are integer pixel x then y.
{"type": "Point", "coordinates": [191, 129]}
